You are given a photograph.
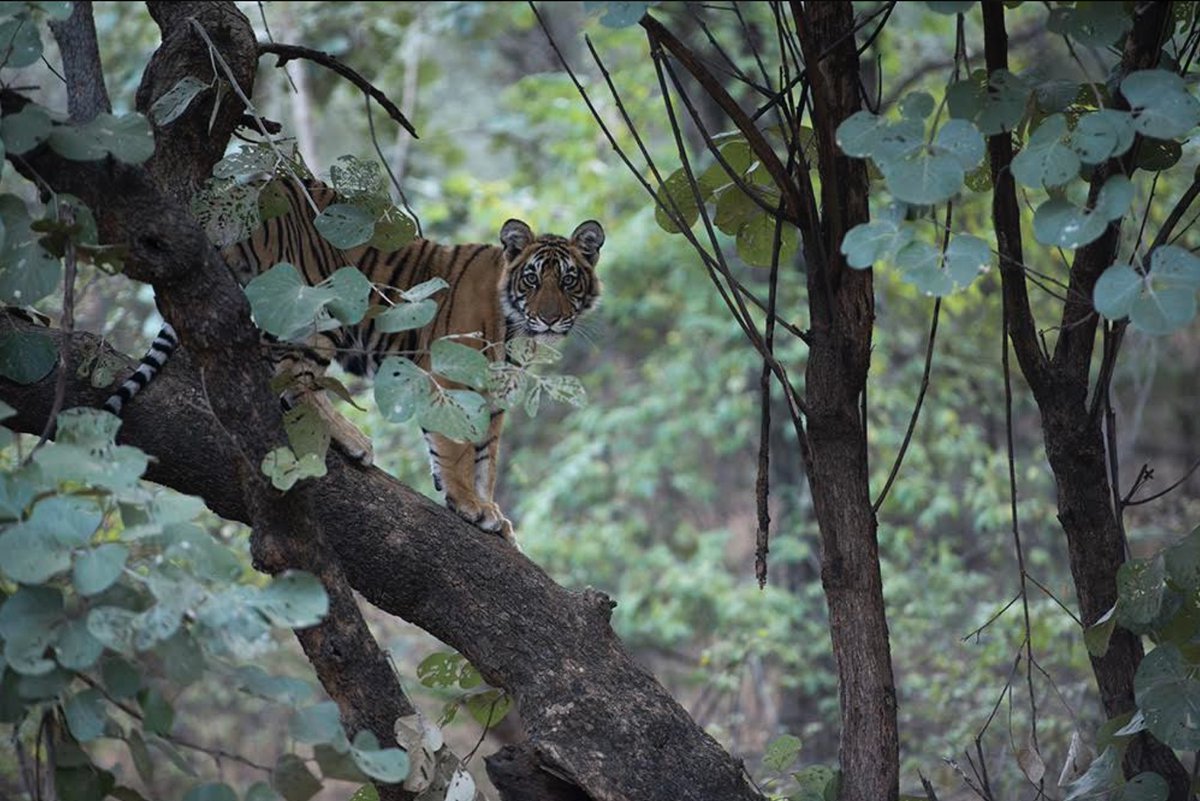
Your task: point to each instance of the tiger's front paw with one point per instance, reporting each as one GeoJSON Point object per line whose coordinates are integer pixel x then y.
{"type": "Point", "coordinates": [486, 516]}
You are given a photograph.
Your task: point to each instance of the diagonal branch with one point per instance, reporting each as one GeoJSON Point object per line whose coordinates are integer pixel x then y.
{"type": "Point", "coordinates": [287, 52]}
{"type": "Point", "coordinates": [795, 210]}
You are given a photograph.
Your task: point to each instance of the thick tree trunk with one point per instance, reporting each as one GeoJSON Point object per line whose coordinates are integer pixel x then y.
{"type": "Point", "coordinates": [841, 301]}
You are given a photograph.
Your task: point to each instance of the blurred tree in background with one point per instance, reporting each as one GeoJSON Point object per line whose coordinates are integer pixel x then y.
{"type": "Point", "coordinates": [647, 493]}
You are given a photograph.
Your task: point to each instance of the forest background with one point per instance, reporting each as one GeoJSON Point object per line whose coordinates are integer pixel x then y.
{"type": "Point", "coordinates": [653, 480]}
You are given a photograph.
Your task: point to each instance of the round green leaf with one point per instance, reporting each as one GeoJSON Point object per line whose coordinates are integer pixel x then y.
{"type": "Point", "coordinates": [459, 362]}
{"type": "Point", "coordinates": [756, 241]}
{"type": "Point", "coordinates": [1155, 155]}
{"type": "Point", "coordinates": [320, 723]}
{"type": "Point", "coordinates": [345, 226]}
{"type": "Point", "coordinates": [284, 304]}
{"type": "Point", "coordinates": [20, 44]}
{"type": "Point", "coordinates": [29, 622]}
{"type": "Point", "coordinates": [293, 780]}
{"type": "Point", "coordinates": [1091, 23]}
{"type": "Point", "coordinates": [385, 764]}
{"type": "Point", "coordinates": [1145, 786]}
{"type": "Point", "coordinates": [782, 752]}
{"type": "Point", "coordinates": [961, 139]}
{"type": "Point", "coordinates": [38, 548]}
{"type": "Point", "coordinates": [1116, 290]}
{"type": "Point", "coordinates": [76, 648]}
{"type": "Point", "coordinates": [617, 14]}
{"type": "Point", "coordinates": [351, 292]}
{"type": "Point", "coordinates": [1139, 592]}
{"type": "Point", "coordinates": [923, 178]}
{"type": "Point", "coordinates": [210, 791]}
{"type": "Point", "coordinates": [121, 677]}
{"type": "Point", "coordinates": [734, 209]}
{"type": "Point", "coordinates": [1102, 134]}
{"type": "Point", "coordinates": [867, 244]}
{"type": "Point", "coordinates": [393, 231]}
{"type": "Point", "coordinates": [950, 6]}
{"type": "Point", "coordinates": [1045, 161]}
{"type": "Point", "coordinates": [113, 626]}
{"type": "Point", "coordinates": [1183, 562]}
{"type": "Point", "coordinates": [1169, 697]}
{"type": "Point", "coordinates": [294, 599]}
{"type": "Point", "coordinates": [920, 265]}
{"type": "Point", "coordinates": [995, 105]}
{"type": "Point", "coordinates": [26, 129]}
{"type": "Point", "coordinates": [1058, 222]}
{"type": "Point", "coordinates": [406, 316]}
{"type": "Point", "coordinates": [457, 413]}
{"type": "Point", "coordinates": [967, 257]}
{"type": "Point", "coordinates": [676, 208]}
{"type": "Point", "coordinates": [85, 715]}
{"type": "Point", "coordinates": [282, 689]}
{"type": "Point", "coordinates": [158, 716]}
{"type": "Point", "coordinates": [95, 570]}
{"type": "Point", "coordinates": [401, 389]}
{"type": "Point", "coordinates": [26, 357]}
{"type": "Point", "coordinates": [1162, 105]}
{"type": "Point", "coordinates": [860, 133]}
{"type": "Point", "coordinates": [307, 430]}
{"type": "Point", "coordinates": [440, 669]}
{"type": "Point", "coordinates": [917, 105]}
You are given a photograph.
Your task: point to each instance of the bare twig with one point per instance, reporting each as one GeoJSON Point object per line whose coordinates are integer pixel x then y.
{"type": "Point", "coordinates": [1126, 501]}
{"type": "Point", "coordinates": [288, 52]}
{"type": "Point", "coordinates": [65, 217]}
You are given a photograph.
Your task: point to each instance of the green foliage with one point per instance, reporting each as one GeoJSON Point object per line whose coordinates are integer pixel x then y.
{"type": "Point", "coordinates": [111, 595]}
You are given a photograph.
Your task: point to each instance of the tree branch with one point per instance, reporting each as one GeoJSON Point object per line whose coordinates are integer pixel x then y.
{"type": "Point", "coordinates": [76, 37]}
{"type": "Point", "coordinates": [288, 52]}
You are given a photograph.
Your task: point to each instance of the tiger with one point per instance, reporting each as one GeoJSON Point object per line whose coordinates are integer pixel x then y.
{"type": "Point", "coordinates": [529, 285]}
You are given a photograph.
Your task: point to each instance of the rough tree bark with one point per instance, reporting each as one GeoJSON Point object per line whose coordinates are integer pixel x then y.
{"type": "Point", "coordinates": [1072, 427]}
{"type": "Point", "coordinates": [593, 716]}
{"type": "Point", "coordinates": [842, 307]}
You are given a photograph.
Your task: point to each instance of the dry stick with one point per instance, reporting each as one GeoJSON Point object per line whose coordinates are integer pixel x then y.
{"type": "Point", "coordinates": [288, 52]}
{"type": "Point", "coordinates": [1046, 591]}
{"type": "Point", "coordinates": [1187, 473]}
{"type": "Point", "coordinates": [995, 616]}
{"type": "Point", "coordinates": [762, 484]}
{"type": "Point", "coordinates": [1016, 529]}
{"type": "Point", "coordinates": [388, 167]}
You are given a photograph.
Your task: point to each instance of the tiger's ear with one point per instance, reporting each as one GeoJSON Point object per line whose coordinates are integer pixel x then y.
{"type": "Point", "coordinates": [588, 237]}
{"type": "Point", "coordinates": [515, 236]}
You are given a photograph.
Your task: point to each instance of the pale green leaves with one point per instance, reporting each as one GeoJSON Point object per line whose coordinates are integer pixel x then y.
{"type": "Point", "coordinates": [285, 305]}
{"type": "Point", "coordinates": [321, 725]}
{"type": "Point", "coordinates": [126, 138]}
{"type": "Point", "coordinates": [740, 207]}
{"type": "Point", "coordinates": [294, 599]}
{"type": "Point", "coordinates": [1162, 106]}
{"type": "Point", "coordinates": [915, 172]}
{"type": "Point", "coordinates": [28, 272]}
{"type": "Point", "coordinates": [1158, 302]}
{"type": "Point", "coordinates": [404, 390]}
{"type": "Point", "coordinates": [1058, 222]}
{"type": "Point", "coordinates": [617, 13]}
{"type": "Point", "coordinates": [345, 226]}
{"type": "Point", "coordinates": [20, 44]}
{"type": "Point", "coordinates": [173, 102]}
{"type": "Point", "coordinates": [934, 272]}
{"type": "Point", "coordinates": [994, 103]}
{"type": "Point", "coordinates": [1091, 22]}
{"type": "Point", "coordinates": [1102, 134]}
{"type": "Point", "coordinates": [284, 467]}
{"type": "Point", "coordinates": [1046, 161]}
{"type": "Point", "coordinates": [1168, 695]}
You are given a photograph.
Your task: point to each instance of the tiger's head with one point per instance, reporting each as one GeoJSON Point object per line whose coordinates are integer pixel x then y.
{"type": "Point", "coordinates": [548, 281]}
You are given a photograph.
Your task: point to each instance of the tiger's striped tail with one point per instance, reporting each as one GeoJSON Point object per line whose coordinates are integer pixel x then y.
{"type": "Point", "coordinates": [160, 350]}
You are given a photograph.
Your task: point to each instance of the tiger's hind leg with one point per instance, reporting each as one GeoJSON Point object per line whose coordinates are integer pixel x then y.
{"type": "Point", "coordinates": [466, 473]}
